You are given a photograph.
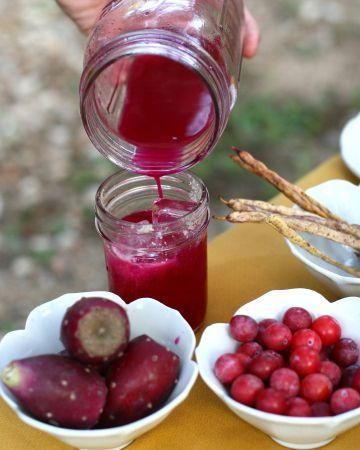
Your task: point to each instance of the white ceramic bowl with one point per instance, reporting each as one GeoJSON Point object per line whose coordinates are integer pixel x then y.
{"type": "Point", "coordinates": [350, 145]}
{"type": "Point", "coordinates": [147, 316]}
{"type": "Point", "coordinates": [292, 432]}
{"type": "Point", "coordinates": [343, 199]}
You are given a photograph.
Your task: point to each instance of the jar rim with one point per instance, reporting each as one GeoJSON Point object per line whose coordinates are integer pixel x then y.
{"type": "Point", "coordinates": [105, 219]}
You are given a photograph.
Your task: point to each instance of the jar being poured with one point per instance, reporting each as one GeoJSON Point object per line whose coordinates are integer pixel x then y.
{"type": "Point", "coordinates": [160, 79]}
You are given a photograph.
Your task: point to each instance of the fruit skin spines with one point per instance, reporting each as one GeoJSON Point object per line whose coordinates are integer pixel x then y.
{"type": "Point", "coordinates": [139, 382]}
{"type": "Point", "coordinates": [57, 390]}
{"type": "Point", "coordinates": [78, 340]}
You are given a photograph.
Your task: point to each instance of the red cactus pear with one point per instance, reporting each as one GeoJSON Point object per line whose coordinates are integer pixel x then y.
{"type": "Point", "coordinates": [139, 382]}
{"type": "Point", "coordinates": [100, 368]}
{"type": "Point", "coordinates": [57, 390]}
{"type": "Point", "coordinates": [95, 330]}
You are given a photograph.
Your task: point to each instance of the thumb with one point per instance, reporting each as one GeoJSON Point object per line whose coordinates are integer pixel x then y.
{"type": "Point", "coordinates": [252, 35]}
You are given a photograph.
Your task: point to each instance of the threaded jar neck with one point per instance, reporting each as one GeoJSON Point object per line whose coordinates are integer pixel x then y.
{"type": "Point", "coordinates": [123, 194]}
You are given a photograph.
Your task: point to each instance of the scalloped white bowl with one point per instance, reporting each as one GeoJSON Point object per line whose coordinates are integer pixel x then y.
{"type": "Point", "coordinates": [343, 199]}
{"type": "Point", "coordinates": [350, 145]}
{"type": "Point", "coordinates": [292, 432]}
{"type": "Point", "coordinates": [147, 316]}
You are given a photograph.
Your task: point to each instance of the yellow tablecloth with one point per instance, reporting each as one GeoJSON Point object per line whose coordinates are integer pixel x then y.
{"type": "Point", "coordinates": [244, 263]}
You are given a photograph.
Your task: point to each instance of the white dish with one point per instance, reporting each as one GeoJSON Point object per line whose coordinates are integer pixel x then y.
{"type": "Point", "coordinates": [350, 145]}
{"type": "Point", "coordinates": [292, 432]}
{"type": "Point", "coordinates": [343, 199]}
{"type": "Point", "coordinates": [147, 316]}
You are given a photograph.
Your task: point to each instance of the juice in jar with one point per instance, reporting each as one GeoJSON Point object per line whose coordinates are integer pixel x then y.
{"type": "Point", "coordinates": [159, 251]}
{"type": "Point", "coordinates": [177, 278]}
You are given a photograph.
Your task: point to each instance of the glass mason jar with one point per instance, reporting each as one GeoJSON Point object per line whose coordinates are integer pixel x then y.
{"type": "Point", "coordinates": [159, 250]}
{"type": "Point", "coordinates": [160, 78]}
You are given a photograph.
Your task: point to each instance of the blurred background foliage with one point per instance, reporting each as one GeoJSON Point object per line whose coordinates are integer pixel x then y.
{"type": "Point", "coordinates": [294, 98]}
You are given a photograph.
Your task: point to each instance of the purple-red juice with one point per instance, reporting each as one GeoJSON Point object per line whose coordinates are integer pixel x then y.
{"type": "Point", "coordinates": [167, 108]}
{"type": "Point", "coordinates": [176, 277]}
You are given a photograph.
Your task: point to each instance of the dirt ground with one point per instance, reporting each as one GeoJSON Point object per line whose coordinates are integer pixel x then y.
{"type": "Point", "coordinates": [49, 172]}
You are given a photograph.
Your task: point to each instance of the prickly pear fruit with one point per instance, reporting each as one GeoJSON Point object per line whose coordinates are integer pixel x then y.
{"type": "Point", "coordinates": [95, 330]}
{"type": "Point", "coordinates": [100, 368]}
{"type": "Point", "coordinates": [139, 382]}
{"type": "Point", "coordinates": [57, 390]}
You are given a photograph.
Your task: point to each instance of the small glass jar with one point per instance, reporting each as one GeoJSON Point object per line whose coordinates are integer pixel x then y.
{"type": "Point", "coordinates": [147, 257]}
{"type": "Point", "coordinates": [160, 78]}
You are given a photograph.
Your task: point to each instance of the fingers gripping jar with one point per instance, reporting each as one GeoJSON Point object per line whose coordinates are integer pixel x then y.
{"type": "Point", "coordinates": [159, 81]}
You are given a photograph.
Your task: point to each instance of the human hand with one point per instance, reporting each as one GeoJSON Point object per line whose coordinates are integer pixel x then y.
{"type": "Point", "coordinates": [85, 12]}
{"type": "Point", "coordinates": [252, 35]}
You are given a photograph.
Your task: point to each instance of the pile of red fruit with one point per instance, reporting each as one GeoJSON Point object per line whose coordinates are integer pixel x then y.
{"type": "Point", "coordinates": [296, 367]}
{"type": "Point", "coordinates": [101, 379]}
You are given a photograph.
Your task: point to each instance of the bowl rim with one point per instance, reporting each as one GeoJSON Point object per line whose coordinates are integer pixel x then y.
{"type": "Point", "coordinates": [220, 391]}
{"type": "Point", "coordinates": [326, 272]}
{"type": "Point", "coordinates": [347, 150]}
{"type": "Point", "coordinates": [303, 256]}
{"type": "Point", "coordinates": [132, 427]}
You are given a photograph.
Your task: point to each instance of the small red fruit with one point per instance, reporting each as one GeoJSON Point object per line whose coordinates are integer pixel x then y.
{"type": "Point", "coordinates": [348, 375]}
{"type": "Point", "coordinates": [251, 349]}
{"type": "Point", "coordinates": [263, 324]}
{"type": "Point", "coordinates": [328, 329]}
{"type": "Point", "coordinates": [271, 401]}
{"type": "Point", "coordinates": [345, 352]}
{"type": "Point", "coordinates": [245, 388]}
{"type": "Point", "coordinates": [277, 336]}
{"type": "Point", "coordinates": [306, 337]}
{"type": "Point", "coordinates": [343, 400]}
{"type": "Point", "coordinates": [304, 361]}
{"type": "Point", "coordinates": [264, 365]}
{"type": "Point", "coordinates": [316, 387]}
{"type": "Point", "coordinates": [298, 407]}
{"type": "Point", "coordinates": [285, 380]}
{"type": "Point", "coordinates": [297, 318]}
{"type": "Point", "coordinates": [228, 367]}
{"type": "Point", "coordinates": [244, 359]}
{"type": "Point", "coordinates": [243, 328]}
{"type": "Point", "coordinates": [332, 371]}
